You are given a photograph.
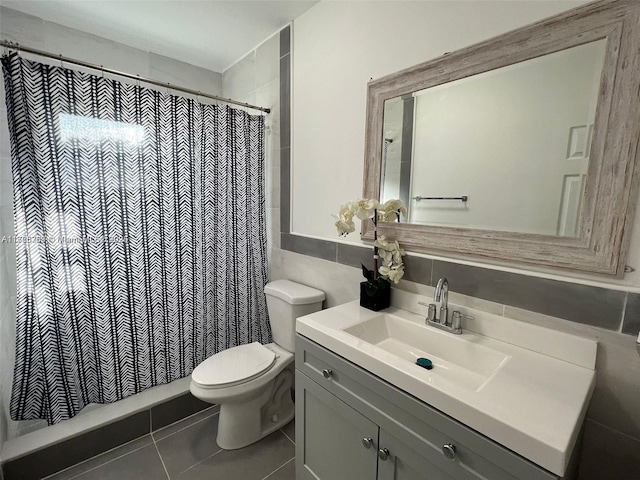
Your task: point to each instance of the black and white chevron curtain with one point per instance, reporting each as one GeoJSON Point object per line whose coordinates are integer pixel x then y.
{"type": "Point", "coordinates": [140, 231]}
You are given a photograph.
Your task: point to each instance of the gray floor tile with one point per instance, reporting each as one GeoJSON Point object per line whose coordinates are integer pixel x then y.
{"type": "Point", "coordinates": [69, 452]}
{"type": "Point", "coordinates": [80, 468]}
{"type": "Point", "coordinates": [182, 424]}
{"type": "Point", "coordinates": [190, 445]}
{"type": "Point", "coordinates": [254, 462]}
{"type": "Point", "coordinates": [143, 464]}
{"type": "Point", "coordinates": [290, 430]}
{"type": "Point", "coordinates": [287, 472]}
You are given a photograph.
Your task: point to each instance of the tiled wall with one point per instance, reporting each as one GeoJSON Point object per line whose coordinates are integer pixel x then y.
{"type": "Point", "coordinates": [612, 434]}
{"type": "Point", "coordinates": [614, 310]}
{"type": "Point", "coordinates": [285, 131]}
{"type": "Point", "coordinates": [255, 79]}
{"type": "Point", "coordinates": [37, 33]}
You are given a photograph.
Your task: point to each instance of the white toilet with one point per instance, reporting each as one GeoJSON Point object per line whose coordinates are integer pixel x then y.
{"type": "Point", "coordinates": [252, 383]}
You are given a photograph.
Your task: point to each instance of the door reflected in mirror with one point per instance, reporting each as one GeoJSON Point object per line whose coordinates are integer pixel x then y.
{"type": "Point", "coordinates": [504, 150]}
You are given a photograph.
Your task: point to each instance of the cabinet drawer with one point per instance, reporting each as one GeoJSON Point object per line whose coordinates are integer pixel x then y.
{"type": "Point", "coordinates": [413, 422]}
{"type": "Point", "coordinates": [324, 369]}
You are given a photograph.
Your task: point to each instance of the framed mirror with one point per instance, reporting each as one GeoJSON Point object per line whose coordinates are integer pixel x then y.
{"type": "Point", "coordinates": [523, 148]}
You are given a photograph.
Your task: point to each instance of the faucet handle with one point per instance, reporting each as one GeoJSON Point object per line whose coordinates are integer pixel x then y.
{"type": "Point", "coordinates": [457, 317]}
{"type": "Point", "coordinates": [431, 313]}
{"type": "Point", "coordinates": [455, 320]}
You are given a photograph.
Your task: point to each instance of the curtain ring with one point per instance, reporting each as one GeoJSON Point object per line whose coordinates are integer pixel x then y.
{"type": "Point", "coordinates": [102, 70]}
{"type": "Point", "coordinates": [168, 87]}
{"type": "Point", "coordinates": [60, 58]}
{"type": "Point", "coordinates": [138, 80]}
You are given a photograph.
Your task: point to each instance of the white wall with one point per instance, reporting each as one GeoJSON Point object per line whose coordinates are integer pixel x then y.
{"type": "Point", "coordinates": [337, 48]}
{"type": "Point", "coordinates": [37, 33]}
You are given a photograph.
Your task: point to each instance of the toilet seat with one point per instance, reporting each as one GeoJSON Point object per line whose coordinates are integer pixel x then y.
{"type": "Point", "coordinates": [234, 366]}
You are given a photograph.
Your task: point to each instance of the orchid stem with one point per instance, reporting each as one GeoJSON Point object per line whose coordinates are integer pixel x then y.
{"type": "Point", "coordinates": [375, 248]}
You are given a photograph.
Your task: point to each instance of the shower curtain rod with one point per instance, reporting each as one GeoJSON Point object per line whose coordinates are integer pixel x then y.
{"type": "Point", "coordinates": [16, 46]}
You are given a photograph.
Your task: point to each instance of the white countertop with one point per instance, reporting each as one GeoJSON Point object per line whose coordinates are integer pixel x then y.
{"type": "Point", "coordinates": [534, 404]}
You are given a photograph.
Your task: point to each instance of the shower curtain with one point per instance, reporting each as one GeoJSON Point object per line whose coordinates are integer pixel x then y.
{"type": "Point", "coordinates": [140, 236]}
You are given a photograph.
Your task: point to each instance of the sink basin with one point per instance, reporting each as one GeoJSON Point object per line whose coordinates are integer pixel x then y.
{"type": "Point", "coordinates": [455, 358]}
{"type": "Point", "coordinates": [524, 386]}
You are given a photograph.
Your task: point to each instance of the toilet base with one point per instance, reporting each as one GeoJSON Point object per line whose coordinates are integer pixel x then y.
{"type": "Point", "coordinates": [241, 424]}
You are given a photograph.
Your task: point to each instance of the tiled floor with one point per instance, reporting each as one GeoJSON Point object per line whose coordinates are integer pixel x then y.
{"type": "Point", "coordinates": [187, 450]}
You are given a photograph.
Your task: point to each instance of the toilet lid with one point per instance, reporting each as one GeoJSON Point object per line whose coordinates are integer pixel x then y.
{"type": "Point", "coordinates": [234, 366]}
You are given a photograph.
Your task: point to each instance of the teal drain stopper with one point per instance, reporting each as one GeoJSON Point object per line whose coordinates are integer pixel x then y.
{"type": "Point", "coordinates": [424, 363]}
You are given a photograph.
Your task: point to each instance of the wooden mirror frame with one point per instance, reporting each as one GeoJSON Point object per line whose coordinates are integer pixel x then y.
{"type": "Point", "coordinates": [612, 178]}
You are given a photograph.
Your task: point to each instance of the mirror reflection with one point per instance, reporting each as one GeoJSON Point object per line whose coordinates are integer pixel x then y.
{"type": "Point", "coordinates": [506, 149]}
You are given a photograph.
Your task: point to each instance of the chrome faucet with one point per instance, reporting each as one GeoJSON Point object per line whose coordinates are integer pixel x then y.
{"type": "Point", "coordinates": [441, 294]}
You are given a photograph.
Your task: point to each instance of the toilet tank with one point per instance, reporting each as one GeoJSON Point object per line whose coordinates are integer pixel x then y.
{"type": "Point", "coordinates": [286, 301]}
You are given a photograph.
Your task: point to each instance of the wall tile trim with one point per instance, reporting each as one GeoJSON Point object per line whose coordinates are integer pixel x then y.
{"type": "Point", "coordinates": [579, 303]}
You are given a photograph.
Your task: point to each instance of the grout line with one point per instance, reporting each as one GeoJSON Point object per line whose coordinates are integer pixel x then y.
{"type": "Point", "coordinates": [184, 428]}
{"type": "Point", "coordinates": [203, 460]}
{"type": "Point", "coordinates": [161, 459]}
{"type": "Point", "coordinates": [614, 430]}
{"type": "Point", "coordinates": [282, 431]}
{"type": "Point", "coordinates": [280, 467]}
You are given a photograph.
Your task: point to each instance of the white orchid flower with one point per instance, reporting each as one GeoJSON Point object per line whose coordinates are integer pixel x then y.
{"type": "Point", "coordinates": [381, 242]}
{"type": "Point", "coordinates": [398, 253]}
{"type": "Point", "coordinates": [389, 252]}
{"type": "Point", "coordinates": [394, 205]}
{"type": "Point", "coordinates": [365, 208]}
{"type": "Point", "coordinates": [347, 211]}
{"type": "Point", "coordinates": [388, 212]}
{"type": "Point", "coordinates": [388, 216]}
{"type": "Point", "coordinates": [396, 274]}
{"type": "Point", "coordinates": [345, 227]}
{"type": "Point", "coordinates": [344, 220]}
{"type": "Point", "coordinates": [386, 256]}
{"type": "Point", "coordinates": [392, 273]}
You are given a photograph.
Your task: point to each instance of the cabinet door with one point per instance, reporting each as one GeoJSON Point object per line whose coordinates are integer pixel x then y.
{"type": "Point", "coordinates": [329, 436]}
{"type": "Point", "coordinates": [403, 463]}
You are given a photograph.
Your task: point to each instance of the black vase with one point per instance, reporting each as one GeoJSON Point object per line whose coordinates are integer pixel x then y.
{"type": "Point", "coordinates": [375, 295]}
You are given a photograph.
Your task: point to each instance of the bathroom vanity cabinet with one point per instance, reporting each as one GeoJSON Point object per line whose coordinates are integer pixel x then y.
{"type": "Point", "coordinates": [352, 425]}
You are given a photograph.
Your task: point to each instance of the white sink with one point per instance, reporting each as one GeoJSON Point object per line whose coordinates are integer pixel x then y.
{"type": "Point", "coordinates": [524, 386]}
{"type": "Point", "coordinates": [455, 357]}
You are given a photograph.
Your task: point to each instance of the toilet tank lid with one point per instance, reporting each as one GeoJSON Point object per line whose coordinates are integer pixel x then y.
{"type": "Point", "coordinates": [293, 293]}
